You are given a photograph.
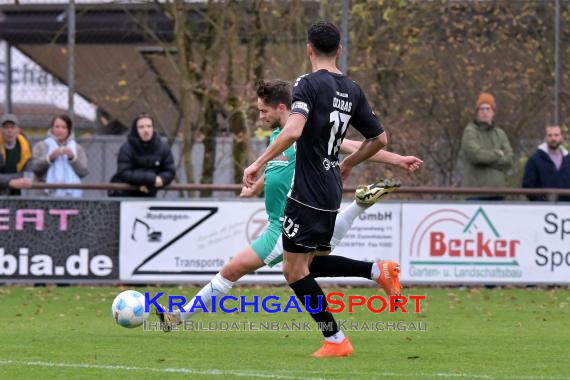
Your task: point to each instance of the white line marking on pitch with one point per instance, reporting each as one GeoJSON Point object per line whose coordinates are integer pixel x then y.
{"type": "Point", "coordinates": [211, 372]}
{"type": "Point", "coordinates": [267, 375]}
{"type": "Point", "coordinates": [432, 375]}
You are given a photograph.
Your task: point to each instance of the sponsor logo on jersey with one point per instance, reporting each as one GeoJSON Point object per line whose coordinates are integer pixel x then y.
{"type": "Point", "coordinates": [329, 164]}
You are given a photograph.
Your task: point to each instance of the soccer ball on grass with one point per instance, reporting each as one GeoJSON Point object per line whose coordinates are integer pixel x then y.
{"type": "Point", "coordinates": [128, 309]}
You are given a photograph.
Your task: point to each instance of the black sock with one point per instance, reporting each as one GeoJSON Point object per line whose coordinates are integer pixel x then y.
{"type": "Point", "coordinates": [339, 266]}
{"type": "Point", "coordinates": [309, 287]}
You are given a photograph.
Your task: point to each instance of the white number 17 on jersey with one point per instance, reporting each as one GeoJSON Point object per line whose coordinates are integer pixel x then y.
{"type": "Point", "coordinates": [337, 118]}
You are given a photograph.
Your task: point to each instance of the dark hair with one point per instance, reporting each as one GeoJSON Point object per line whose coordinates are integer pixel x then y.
{"type": "Point", "coordinates": [324, 37]}
{"type": "Point", "coordinates": [274, 92]}
{"type": "Point", "coordinates": [553, 126]}
{"type": "Point", "coordinates": [142, 116]}
{"type": "Point", "coordinates": [65, 119]}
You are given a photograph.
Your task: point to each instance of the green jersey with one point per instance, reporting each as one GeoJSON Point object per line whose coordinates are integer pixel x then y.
{"type": "Point", "coordinates": [278, 176]}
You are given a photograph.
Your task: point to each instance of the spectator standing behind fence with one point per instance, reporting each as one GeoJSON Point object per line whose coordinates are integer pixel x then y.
{"type": "Point", "coordinates": [549, 166]}
{"type": "Point", "coordinates": [15, 154]}
{"type": "Point", "coordinates": [485, 150]}
{"type": "Point", "coordinates": [59, 159]}
{"type": "Point", "coordinates": [144, 161]}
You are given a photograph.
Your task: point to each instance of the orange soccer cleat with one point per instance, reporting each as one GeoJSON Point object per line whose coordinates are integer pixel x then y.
{"type": "Point", "coordinates": [389, 278]}
{"type": "Point", "coordinates": [330, 349]}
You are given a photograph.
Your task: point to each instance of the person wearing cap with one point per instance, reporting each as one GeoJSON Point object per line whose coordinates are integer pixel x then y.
{"type": "Point", "coordinates": [15, 154]}
{"type": "Point", "coordinates": [486, 153]}
{"type": "Point", "coordinates": [59, 159]}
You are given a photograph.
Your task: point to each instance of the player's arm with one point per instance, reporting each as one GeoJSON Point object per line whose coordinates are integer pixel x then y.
{"type": "Point", "coordinates": [366, 122]}
{"type": "Point", "coordinates": [290, 133]}
{"type": "Point", "coordinates": [409, 163]}
{"type": "Point", "coordinates": [366, 150]}
{"type": "Point", "coordinates": [256, 189]}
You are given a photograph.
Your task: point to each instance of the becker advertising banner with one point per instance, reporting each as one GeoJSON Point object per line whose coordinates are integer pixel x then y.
{"type": "Point", "coordinates": [191, 241]}
{"type": "Point", "coordinates": [58, 241]}
{"type": "Point", "coordinates": [485, 244]}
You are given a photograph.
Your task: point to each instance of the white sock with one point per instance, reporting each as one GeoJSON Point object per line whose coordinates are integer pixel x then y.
{"type": "Point", "coordinates": [375, 272]}
{"type": "Point", "coordinates": [344, 221]}
{"type": "Point", "coordinates": [336, 338]}
{"type": "Point", "coordinates": [219, 286]}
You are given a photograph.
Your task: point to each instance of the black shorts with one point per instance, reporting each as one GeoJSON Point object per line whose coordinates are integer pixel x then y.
{"type": "Point", "coordinates": [306, 229]}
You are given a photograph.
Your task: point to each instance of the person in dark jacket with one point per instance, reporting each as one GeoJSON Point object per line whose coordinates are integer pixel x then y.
{"type": "Point", "coordinates": [549, 166]}
{"type": "Point", "coordinates": [144, 161]}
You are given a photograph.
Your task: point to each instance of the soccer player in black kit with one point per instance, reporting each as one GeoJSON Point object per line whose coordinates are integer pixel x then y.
{"type": "Point", "coordinates": [325, 103]}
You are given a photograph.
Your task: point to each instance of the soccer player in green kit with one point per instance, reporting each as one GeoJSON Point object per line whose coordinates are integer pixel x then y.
{"type": "Point", "coordinates": [274, 104]}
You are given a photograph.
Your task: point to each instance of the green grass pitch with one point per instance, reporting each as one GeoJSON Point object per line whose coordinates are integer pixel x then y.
{"type": "Point", "coordinates": [68, 333]}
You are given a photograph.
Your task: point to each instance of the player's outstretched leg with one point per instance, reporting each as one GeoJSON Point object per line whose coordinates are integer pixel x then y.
{"type": "Point", "coordinates": [168, 319]}
{"type": "Point", "coordinates": [246, 261]}
{"type": "Point", "coordinates": [367, 195]}
{"type": "Point", "coordinates": [385, 273]}
{"type": "Point", "coordinates": [219, 286]}
{"type": "Point", "coordinates": [364, 197]}
{"type": "Point", "coordinates": [388, 277]}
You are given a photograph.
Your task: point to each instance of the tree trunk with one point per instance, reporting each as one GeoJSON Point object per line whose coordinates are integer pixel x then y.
{"type": "Point", "coordinates": [183, 58]}
{"type": "Point", "coordinates": [211, 132]}
{"type": "Point", "coordinates": [241, 141]}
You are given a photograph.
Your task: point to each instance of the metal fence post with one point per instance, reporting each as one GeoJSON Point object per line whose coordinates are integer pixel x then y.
{"type": "Point", "coordinates": [8, 87]}
{"type": "Point", "coordinates": [344, 36]}
{"type": "Point", "coordinates": [557, 63]}
{"type": "Point", "coordinates": [71, 58]}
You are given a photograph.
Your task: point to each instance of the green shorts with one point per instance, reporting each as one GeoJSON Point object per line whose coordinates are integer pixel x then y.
{"type": "Point", "coordinates": [269, 246]}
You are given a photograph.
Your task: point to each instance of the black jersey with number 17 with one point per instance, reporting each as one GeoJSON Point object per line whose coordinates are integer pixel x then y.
{"type": "Point", "coordinates": [330, 102]}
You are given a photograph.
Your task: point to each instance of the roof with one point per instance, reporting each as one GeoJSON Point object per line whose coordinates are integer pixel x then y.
{"type": "Point", "coordinates": [95, 23]}
{"type": "Point", "coordinates": [38, 116]}
{"type": "Point", "coordinates": [119, 61]}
